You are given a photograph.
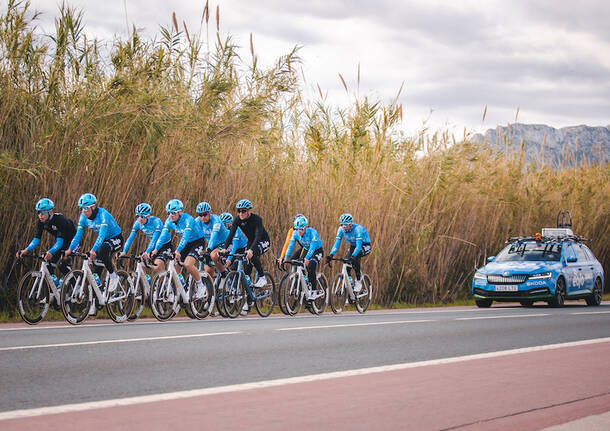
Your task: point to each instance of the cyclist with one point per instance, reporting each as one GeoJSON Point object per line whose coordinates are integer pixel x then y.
{"type": "Point", "coordinates": [151, 227]}
{"type": "Point", "coordinates": [360, 245]}
{"type": "Point", "coordinates": [215, 234]}
{"type": "Point", "coordinates": [58, 225]}
{"type": "Point", "coordinates": [309, 239]}
{"type": "Point", "coordinates": [191, 241]}
{"type": "Point", "coordinates": [258, 239]}
{"type": "Point", "coordinates": [297, 253]}
{"type": "Point", "coordinates": [239, 243]}
{"type": "Point", "coordinates": [109, 236]}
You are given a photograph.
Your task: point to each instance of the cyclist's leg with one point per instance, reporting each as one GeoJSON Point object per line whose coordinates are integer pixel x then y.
{"type": "Point", "coordinates": [312, 267]}
{"type": "Point", "coordinates": [365, 250]}
{"type": "Point", "coordinates": [190, 256]}
{"type": "Point", "coordinates": [166, 252]}
{"type": "Point", "coordinates": [62, 265]}
{"type": "Point", "coordinates": [260, 249]}
{"type": "Point", "coordinates": [108, 247]}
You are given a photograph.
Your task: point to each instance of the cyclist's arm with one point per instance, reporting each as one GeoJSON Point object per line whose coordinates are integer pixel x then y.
{"type": "Point", "coordinates": [59, 242]}
{"type": "Point", "coordinates": [101, 235]}
{"type": "Point", "coordinates": [291, 244]}
{"type": "Point", "coordinates": [286, 242]}
{"type": "Point", "coordinates": [231, 235]}
{"type": "Point", "coordinates": [213, 242]}
{"type": "Point", "coordinates": [185, 238]}
{"type": "Point", "coordinates": [164, 236]}
{"type": "Point", "coordinates": [131, 237]}
{"type": "Point", "coordinates": [79, 232]}
{"type": "Point", "coordinates": [154, 240]}
{"type": "Point", "coordinates": [36, 240]}
{"type": "Point", "coordinates": [337, 242]}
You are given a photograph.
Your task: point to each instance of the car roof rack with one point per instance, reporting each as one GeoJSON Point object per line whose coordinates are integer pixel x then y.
{"type": "Point", "coordinates": [547, 239]}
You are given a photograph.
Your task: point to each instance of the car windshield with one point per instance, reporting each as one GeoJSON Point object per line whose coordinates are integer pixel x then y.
{"type": "Point", "coordinates": [530, 251]}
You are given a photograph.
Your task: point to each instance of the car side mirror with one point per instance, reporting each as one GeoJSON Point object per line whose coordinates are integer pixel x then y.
{"type": "Point", "coordinates": [491, 258]}
{"type": "Point", "coordinates": [571, 259]}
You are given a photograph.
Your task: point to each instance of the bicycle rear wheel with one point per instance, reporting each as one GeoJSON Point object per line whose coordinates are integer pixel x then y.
{"type": "Point", "coordinates": [33, 298]}
{"type": "Point", "coordinates": [219, 297]}
{"type": "Point", "coordinates": [363, 298]}
{"type": "Point", "coordinates": [235, 294]}
{"type": "Point", "coordinates": [76, 297]}
{"type": "Point", "coordinates": [318, 305]}
{"type": "Point", "coordinates": [280, 295]}
{"type": "Point", "coordinates": [264, 297]}
{"type": "Point", "coordinates": [201, 307]}
{"type": "Point", "coordinates": [139, 300]}
{"type": "Point", "coordinates": [292, 294]}
{"type": "Point", "coordinates": [163, 297]}
{"type": "Point", "coordinates": [337, 294]}
{"type": "Point", "coordinates": [121, 302]}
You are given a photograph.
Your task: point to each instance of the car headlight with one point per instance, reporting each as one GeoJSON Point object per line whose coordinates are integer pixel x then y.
{"type": "Point", "coordinates": [541, 275]}
{"type": "Point", "coordinates": [480, 276]}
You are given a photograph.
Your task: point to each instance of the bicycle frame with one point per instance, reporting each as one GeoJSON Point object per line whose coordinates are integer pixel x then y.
{"type": "Point", "coordinates": [101, 296]}
{"type": "Point", "coordinates": [240, 258]}
{"type": "Point", "coordinates": [299, 268]}
{"type": "Point", "coordinates": [46, 276]}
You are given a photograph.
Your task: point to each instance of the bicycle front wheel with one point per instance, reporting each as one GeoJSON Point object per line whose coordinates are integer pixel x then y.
{"type": "Point", "coordinates": [139, 299]}
{"type": "Point", "coordinates": [234, 295]}
{"type": "Point", "coordinates": [337, 294]}
{"type": "Point", "coordinates": [318, 305]}
{"type": "Point", "coordinates": [280, 296]}
{"type": "Point", "coordinates": [76, 297]}
{"type": "Point", "coordinates": [33, 297]}
{"type": "Point", "coordinates": [292, 294]}
{"type": "Point", "coordinates": [363, 298]}
{"type": "Point", "coordinates": [264, 297]}
{"type": "Point", "coordinates": [163, 297]}
{"type": "Point", "coordinates": [121, 302]}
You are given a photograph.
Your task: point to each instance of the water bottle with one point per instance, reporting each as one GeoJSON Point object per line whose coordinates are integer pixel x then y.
{"type": "Point", "coordinates": [55, 280]}
{"type": "Point", "coordinates": [148, 278]}
{"type": "Point", "coordinates": [97, 278]}
{"type": "Point", "coordinates": [61, 283]}
{"type": "Point", "coordinates": [248, 281]}
{"type": "Point", "coordinates": [181, 278]}
{"type": "Point", "coordinates": [351, 282]}
{"type": "Point", "coordinates": [306, 279]}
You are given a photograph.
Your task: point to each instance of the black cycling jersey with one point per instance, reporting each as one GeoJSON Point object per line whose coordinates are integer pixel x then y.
{"type": "Point", "coordinates": [253, 229]}
{"type": "Point", "coordinates": [57, 225]}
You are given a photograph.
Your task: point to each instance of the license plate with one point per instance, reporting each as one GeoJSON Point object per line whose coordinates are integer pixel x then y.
{"type": "Point", "coordinates": [507, 288]}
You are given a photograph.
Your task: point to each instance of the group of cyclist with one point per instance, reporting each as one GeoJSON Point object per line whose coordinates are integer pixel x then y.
{"type": "Point", "coordinates": [207, 237]}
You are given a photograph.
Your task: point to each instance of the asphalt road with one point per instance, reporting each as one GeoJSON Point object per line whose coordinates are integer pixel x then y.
{"type": "Point", "coordinates": [56, 364]}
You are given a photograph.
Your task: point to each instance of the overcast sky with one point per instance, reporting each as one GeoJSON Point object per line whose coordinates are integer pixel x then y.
{"type": "Point", "coordinates": [548, 58]}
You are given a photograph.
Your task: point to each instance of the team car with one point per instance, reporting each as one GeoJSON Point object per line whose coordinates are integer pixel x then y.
{"type": "Point", "coordinates": [552, 266]}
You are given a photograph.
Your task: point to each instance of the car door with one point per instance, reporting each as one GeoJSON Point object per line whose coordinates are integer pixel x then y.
{"type": "Point", "coordinates": [586, 266]}
{"type": "Point", "coordinates": [571, 270]}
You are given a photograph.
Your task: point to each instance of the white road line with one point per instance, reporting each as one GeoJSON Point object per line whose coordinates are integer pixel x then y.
{"type": "Point", "coordinates": [67, 408]}
{"type": "Point", "coordinates": [502, 317]}
{"type": "Point", "coordinates": [123, 340]}
{"type": "Point", "coordinates": [345, 325]}
{"type": "Point", "coordinates": [592, 312]}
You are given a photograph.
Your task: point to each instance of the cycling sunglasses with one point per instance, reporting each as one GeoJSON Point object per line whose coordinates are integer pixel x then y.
{"type": "Point", "coordinates": [173, 212]}
{"type": "Point", "coordinates": [43, 212]}
{"type": "Point", "coordinates": [86, 208]}
{"type": "Point", "coordinates": [242, 211]}
{"type": "Point", "coordinates": [204, 214]}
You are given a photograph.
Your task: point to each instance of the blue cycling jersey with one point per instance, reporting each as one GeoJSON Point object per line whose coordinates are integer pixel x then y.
{"type": "Point", "coordinates": [239, 241]}
{"type": "Point", "coordinates": [356, 236]}
{"type": "Point", "coordinates": [152, 229]}
{"type": "Point", "coordinates": [186, 226]}
{"type": "Point", "coordinates": [310, 241]}
{"type": "Point", "coordinates": [214, 231]}
{"type": "Point", "coordinates": [102, 222]}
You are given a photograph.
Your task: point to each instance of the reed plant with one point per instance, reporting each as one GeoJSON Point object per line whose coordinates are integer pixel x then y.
{"type": "Point", "coordinates": [178, 116]}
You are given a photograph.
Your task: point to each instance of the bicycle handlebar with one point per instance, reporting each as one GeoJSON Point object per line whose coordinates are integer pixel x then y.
{"type": "Point", "coordinates": [338, 259]}
{"type": "Point", "coordinates": [137, 259]}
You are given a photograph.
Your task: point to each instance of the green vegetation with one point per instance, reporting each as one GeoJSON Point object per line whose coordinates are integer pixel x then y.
{"type": "Point", "coordinates": [153, 120]}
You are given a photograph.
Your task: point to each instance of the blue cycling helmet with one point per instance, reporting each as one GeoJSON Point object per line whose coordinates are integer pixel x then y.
{"type": "Point", "coordinates": [86, 200]}
{"type": "Point", "coordinates": [300, 223]}
{"type": "Point", "coordinates": [203, 207]}
{"type": "Point", "coordinates": [226, 218]}
{"type": "Point", "coordinates": [44, 205]}
{"type": "Point", "coordinates": [346, 219]}
{"type": "Point", "coordinates": [143, 210]}
{"type": "Point", "coordinates": [244, 204]}
{"type": "Point", "coordinates": [174, 205]}
{"type": "Point", "coordinates": [296, 217]}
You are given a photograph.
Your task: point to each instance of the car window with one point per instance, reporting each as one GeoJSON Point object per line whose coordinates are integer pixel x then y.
{"type": "Point", "coordinates": [530, 251]}
{"type": "Point", "coordinates": [570, 252]}
{"type": "Point", "coordinates": [589, 252]}
{"type": "Point", "coordinates": [581, 254]}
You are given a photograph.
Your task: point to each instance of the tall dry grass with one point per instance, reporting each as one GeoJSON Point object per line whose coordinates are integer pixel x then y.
{"type": "Point", "coordinates": [154, 120]}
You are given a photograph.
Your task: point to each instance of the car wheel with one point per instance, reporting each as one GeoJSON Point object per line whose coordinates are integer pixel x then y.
{"type": "Point", "coordinates": [560, 294]}
{"type": "Point", "coordinates": [526, 302]}
{"type": "Point", "coordinates": [596, 296]}
{"type": "Point", "coordinates": [483, 303]}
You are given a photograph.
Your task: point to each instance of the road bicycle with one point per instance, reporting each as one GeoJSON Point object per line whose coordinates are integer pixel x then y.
{"type": "Point", "coordinates": [37, 290]}
{"type": "Point", "coordinates": [238, 289]}
{"type": "Point", "coordinates": [170, 292]}
{"type": "Point", "coordinates": [140, 283]}
{"type": "Point", "coordinates": [342, 290]}
{"type": "Point", "coordinates": [295, 290]}
{"type": "Point", "coordinates": [80, 286]}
